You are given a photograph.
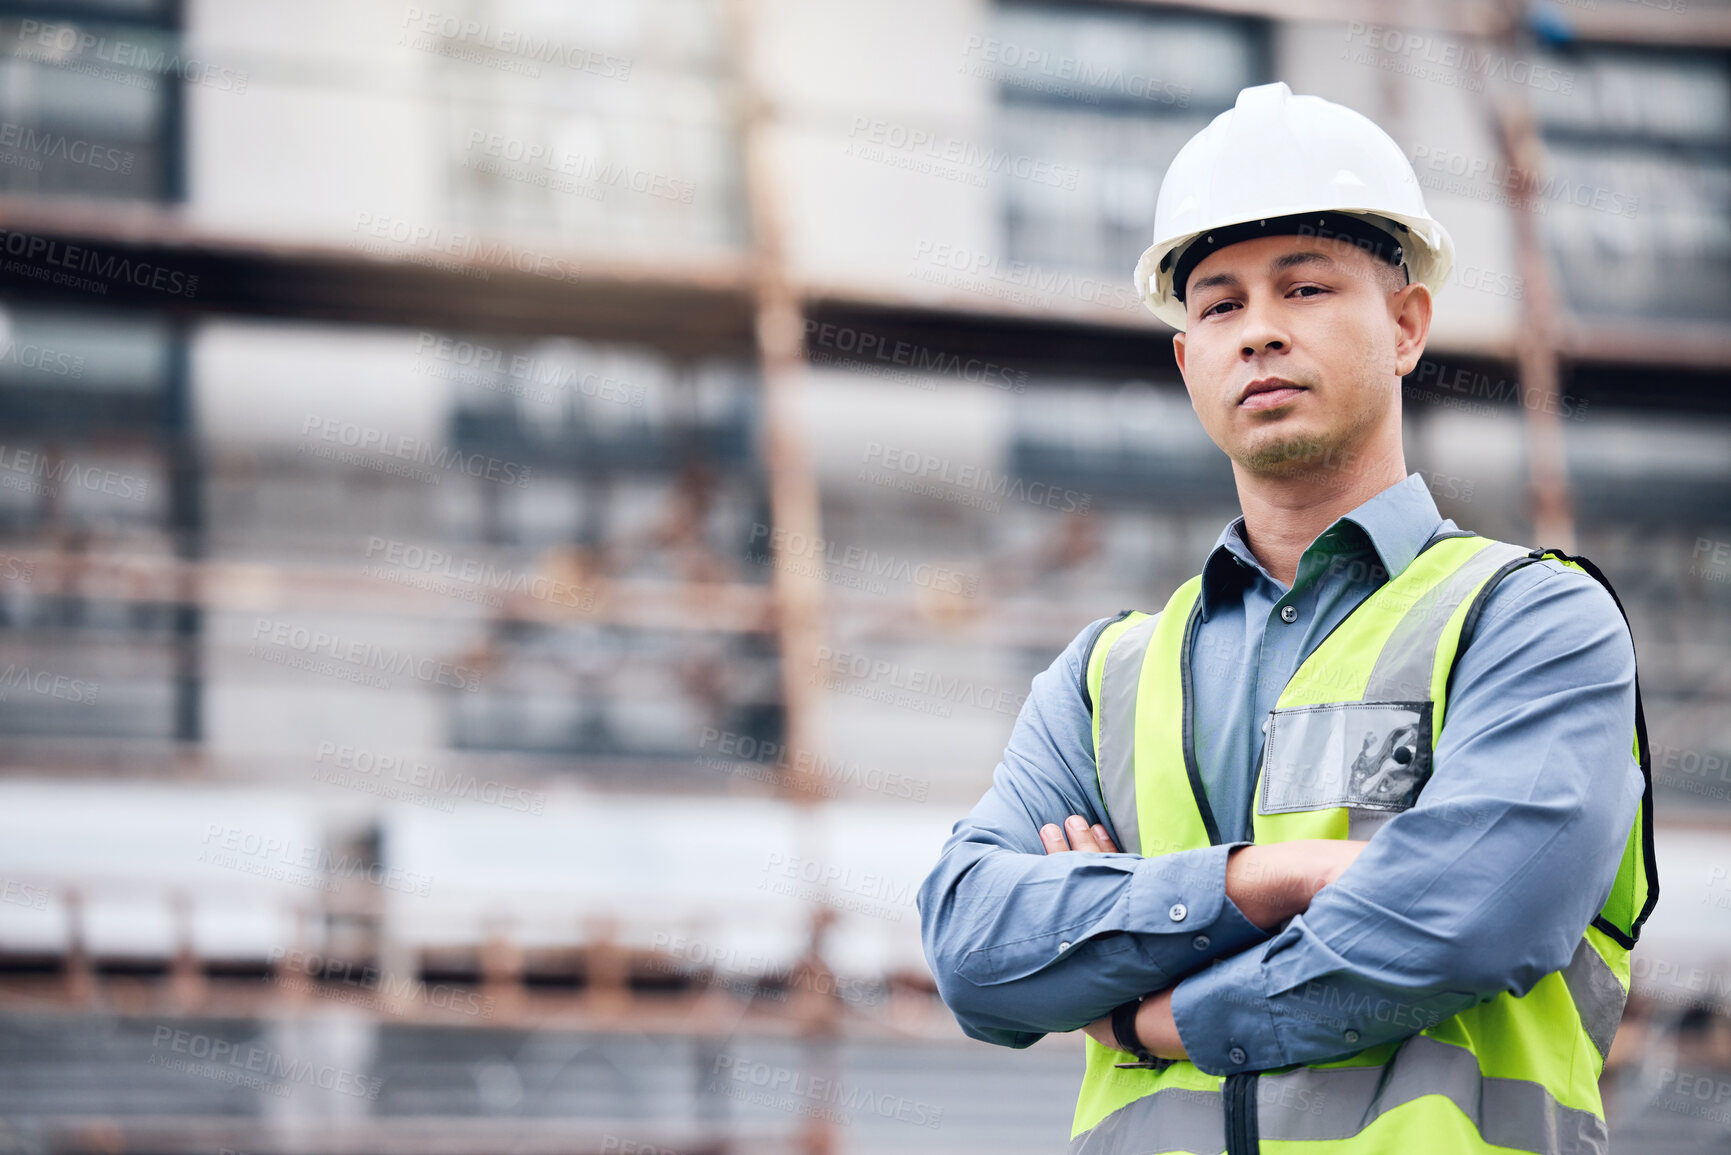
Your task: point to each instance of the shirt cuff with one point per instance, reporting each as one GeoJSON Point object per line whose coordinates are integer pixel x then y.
{"type": "Point", "coordinates": [1190, 905]}
{"type": "Point", "coordinates": [1224, 1018]}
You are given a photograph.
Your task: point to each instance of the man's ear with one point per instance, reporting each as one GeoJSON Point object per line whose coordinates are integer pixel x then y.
{"type": "Point", "coordinates": [1178, 355]}
{"type": "Point", "coordinates": [1411, 309]}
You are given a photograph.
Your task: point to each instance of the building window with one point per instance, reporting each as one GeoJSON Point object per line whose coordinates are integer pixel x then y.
{"type": "Point", "coordinates": [570, 121]}
{"type": "Point", "coordinates": [1109, 94]}
{"type": "Point", "coordinates": [92, 99]}
{"type": "Point", "coordinates": [1637, 203]}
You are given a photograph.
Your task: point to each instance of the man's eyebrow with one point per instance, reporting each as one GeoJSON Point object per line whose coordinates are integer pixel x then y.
{"type": "Point", "coordinates": [1280, 264]}
{"type": "Point", "coordinates": [1289, 260]}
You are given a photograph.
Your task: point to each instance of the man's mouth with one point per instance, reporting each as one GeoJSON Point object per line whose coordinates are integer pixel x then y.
{"type": "Point", "coordinates": [1268, 393]}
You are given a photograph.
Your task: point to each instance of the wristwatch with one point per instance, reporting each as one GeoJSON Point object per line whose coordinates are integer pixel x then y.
{"type": "Point", "coordinates": [1124, 1030]}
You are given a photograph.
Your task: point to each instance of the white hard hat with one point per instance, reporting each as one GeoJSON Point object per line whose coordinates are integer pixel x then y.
{"type": "Point", "coordinates": [1274, 156]}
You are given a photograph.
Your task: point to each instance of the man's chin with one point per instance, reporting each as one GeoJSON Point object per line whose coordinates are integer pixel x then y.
{"type": "Point", "coordinates": [1289, 456]}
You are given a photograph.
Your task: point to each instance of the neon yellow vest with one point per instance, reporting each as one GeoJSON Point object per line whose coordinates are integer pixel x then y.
{"type": "Point", "coordinates": [1509, 1074]}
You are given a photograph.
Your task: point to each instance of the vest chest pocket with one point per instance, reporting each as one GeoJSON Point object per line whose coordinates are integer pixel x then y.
{"type": "Point", "coordinates": [1361, 755]}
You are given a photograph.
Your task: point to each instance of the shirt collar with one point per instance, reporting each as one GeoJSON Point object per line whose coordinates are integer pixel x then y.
{"type": "Point", "coordinates": [1395, 524]}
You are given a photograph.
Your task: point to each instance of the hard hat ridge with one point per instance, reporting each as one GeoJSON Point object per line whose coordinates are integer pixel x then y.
{"type": "Point", "coordinates": [1273, 157]}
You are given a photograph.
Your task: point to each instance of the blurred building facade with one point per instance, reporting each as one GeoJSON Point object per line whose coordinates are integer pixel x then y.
{"type": "Point", "coordinates": [525, 523]}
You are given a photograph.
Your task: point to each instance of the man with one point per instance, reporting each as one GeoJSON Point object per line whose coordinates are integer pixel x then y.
{"type": "Point", "coordinates": [1333, 920]}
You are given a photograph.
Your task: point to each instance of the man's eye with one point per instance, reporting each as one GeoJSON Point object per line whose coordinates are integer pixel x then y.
{"type": "Point", "coordinates": [1308, 288]}
{"type": "Point", "coordinates": [1215, 307]}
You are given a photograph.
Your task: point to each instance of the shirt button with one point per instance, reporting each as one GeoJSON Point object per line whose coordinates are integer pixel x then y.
{"type": "Point", "coordinates": [1178, 911]}
{"type": "Point", "coordinates": [1351, 1036]}
{"type": "Point", "coordinates": [1062, 947]}
{"type": "Point", "coordinates": [1289, 614]}
{"type": "Point", "coordinates": [1200, 942]}
{"type": "Point", "coordinates": [1237, 1055]}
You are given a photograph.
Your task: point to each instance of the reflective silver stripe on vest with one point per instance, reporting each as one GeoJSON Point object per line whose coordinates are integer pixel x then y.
{"type": "Point", "coordinates": [1361, 824]}
{"type": "Point", "coordinates": [1338, 1102]}
{"type": "Point", "coordinates": [1598, 996]}
{"type": "Point", "coordinates": [1176, 1119]}
{"type": "Point", "coordinates": [1119, 680]}
{"type": "Point", "coordinates": [1403, 668]}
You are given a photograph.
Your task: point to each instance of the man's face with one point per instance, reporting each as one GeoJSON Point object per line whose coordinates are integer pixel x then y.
{"type": "Point", "coordinates": [1329, 326]}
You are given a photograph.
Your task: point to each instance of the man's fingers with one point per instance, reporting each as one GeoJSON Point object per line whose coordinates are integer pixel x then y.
{"type": "Point", "coordinates": [1081, 838]}
{"type": "Point", "coordinates": [1076, 834]}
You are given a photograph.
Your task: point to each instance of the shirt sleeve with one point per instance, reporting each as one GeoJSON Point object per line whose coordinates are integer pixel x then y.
{"type": "Point", "coordinates": [1022, 943]}
{"type": "Point", "coordinates": [1487, 883]}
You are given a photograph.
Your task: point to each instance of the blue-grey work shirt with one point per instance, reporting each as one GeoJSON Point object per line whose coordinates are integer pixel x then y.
{"type": "Point", "coordinates": [1485, 884]}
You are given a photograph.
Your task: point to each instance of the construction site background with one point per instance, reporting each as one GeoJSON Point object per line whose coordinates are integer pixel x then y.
{"type": "Point", "coordinates": [522, 525]}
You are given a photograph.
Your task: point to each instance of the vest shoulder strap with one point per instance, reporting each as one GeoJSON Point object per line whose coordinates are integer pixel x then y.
{"type": "Point", "coordinates": [1635, 892]}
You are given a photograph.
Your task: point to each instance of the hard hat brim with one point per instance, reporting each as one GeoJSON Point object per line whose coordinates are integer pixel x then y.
{"type": "Point", "coordinates": [1429, 259]}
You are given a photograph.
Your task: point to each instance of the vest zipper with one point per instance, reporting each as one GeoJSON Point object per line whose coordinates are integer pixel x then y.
{"type": "Point", "coordinates": [1242, 1132]}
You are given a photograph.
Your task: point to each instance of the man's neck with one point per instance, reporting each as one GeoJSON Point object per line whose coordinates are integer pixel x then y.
{"type": "Point", "coordinates": [1283, 515]}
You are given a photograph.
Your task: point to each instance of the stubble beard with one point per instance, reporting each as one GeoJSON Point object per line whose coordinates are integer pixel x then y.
{"type": "Point", "coordinates": [1287, 456]}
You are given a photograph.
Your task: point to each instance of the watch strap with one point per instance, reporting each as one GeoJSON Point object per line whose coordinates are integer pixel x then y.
{"type": "Point", "coordinates": [1124, 1030]}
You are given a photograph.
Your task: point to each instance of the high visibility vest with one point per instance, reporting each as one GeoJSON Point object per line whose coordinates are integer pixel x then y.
{"type": "Point", "coordinates": [1348, 746]}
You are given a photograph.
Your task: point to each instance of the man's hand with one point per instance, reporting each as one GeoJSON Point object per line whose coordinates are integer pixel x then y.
{"type": "Point", "coordinates": [1269, 883]}
{"type": "Point", "coordinates": [1154, 1023]}
{"type": "Point", "coordinates": [1084, 838]}
{"type": "Point", "coordinates": [1155, 1026]}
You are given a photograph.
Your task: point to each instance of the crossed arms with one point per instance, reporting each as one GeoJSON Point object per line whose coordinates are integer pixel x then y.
{"type": "Point", "coordinates": [1484, 885]}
